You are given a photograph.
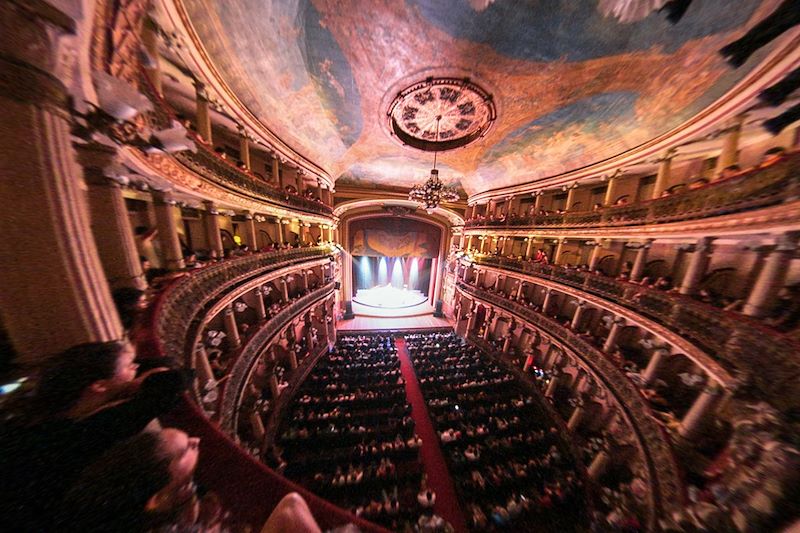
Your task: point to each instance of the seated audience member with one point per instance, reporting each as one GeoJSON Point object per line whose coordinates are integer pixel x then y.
{"type": "Point", "coordinates": [85, 402]}
{"type": "Point", "coordinates": [145, 483]}
{"type": "Point", "coordinates": [129, 303]}
{"type": "Point", "coordinates": [730, 171]}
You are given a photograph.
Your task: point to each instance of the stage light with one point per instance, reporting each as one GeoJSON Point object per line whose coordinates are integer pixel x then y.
{"type": "Point", "coordinates": [397, 273]}
{"type": "Point", "coordinates": [383, 272]}
{"type": "Point", "coordinates": [413, 274]}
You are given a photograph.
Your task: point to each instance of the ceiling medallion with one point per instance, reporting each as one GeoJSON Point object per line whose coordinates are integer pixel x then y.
{"type": "Point", "coordinates": [440, 114]}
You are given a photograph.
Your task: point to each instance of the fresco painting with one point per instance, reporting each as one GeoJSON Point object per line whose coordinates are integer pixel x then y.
{"type": "Point", "coordinates": [571, 86]}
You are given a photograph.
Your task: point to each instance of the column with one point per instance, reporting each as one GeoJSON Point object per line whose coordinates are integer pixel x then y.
{"type": "Point", "coordinates": [468, 212]}
{"type": "Point", "coordinates": [571, 196]}
{"type": "Point", "coordinates": [469, 243]}
{"type": "Point", "coordinates": [284, 289]}
{"type": "Point", "coordinates": [518, 295]}
{"type": "Point", "coordinates": [664, 173]}
{"type": "Point", "coordinates": [305, 279]}
{"type": "Point", "coordinates": [697, 266]}
{"type": "Point", "coordinates": [153, 64]}
{"type": "Point", "coordinates": [261, 310]}
{"type": "Point", "coordinates": [231, 329]}
{"type": "Point", "coordinates": [528, 362]}
{"type": "Point", "coordinates": [203, 112]}
{"type": "Point", "coordinates": [244, 148]}
{"type": "Point", "coordinates": [279, 230]}
{"type": "Point", "coordinates": [772, 277]}
{"type": "Point", "coordinates": [488, 321]}
{"type": "Point", "coordinates": [164, 208]}
{"type": "Point", "coordinates": [274, 389]}
{"type": "Point", "coordinates": [557, 253]}
{"type": "Point", "coordinates": [552, 387]}
{"type": "Point", "coordinates": [478, 278]}
{"type": "Point", "coordinates": [546, 303]}
{"type": "Point", "coordinates": [205, 375]}
{"type": "Point", "coordinates": [507, 341]}
{"type": "Point", "coordinates": [599, 465]}
{"type": "Point", "coordinates": [473, 314]}
{"type": "Point", "coordinates": [250, 231]}
{"type": "Point", "coordinates": [319, 189]}
{"type": "Point", "coordinates": [611, 190]}
{"type": "Point", "coordinates": [292, 355]}
{"type": "Point", "coordinates": [640, 262]}
{"type": "Point", "coordinates": [299, 180]}
{"type": "Point", "coordinates": [309, 324]}
{"type": "Point", "coordinates": [513, 205]}
{"type": "Point", "coordinates": [657, 360]}
{"type": "Point", "coordinates": [613, 334]}
{"type": "Point", "coordinates": [703, 406]}
{"type": "Point", "coordinates": [111, 226]}
{"type": "Point", "coordinates": [213, 235]}
{"type": "Point", "coordinates": [578, 316]}
{"type": "Point", "coordinates": [537, 201]}
{"type": "Point", "coordinates": [275, 171]}
{"type": "Point", "coordinates": [594, 258]}
{"type": "Point", "coordinates": [257, 425]}
{"type": "Point", "coordinates": [576, 418]}
{"type": "Point", "coordinates": [730, 147]}
{"type": "Point", "coordinates": [529, 240]}
{"type": "Point", "coordinates": [500, 278]}
{"type": "Point", "coordinates": [491, 207]}
{"type": "Point", "coordinates": [303, 233]}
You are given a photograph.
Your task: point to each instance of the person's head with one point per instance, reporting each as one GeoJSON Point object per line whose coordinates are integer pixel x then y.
{"type": "Point", "coordinates": [140, 484]}
{"type": "Point", "coordinates": [85, 375]}
{"type": "Point", "coordinates": [140, 230]}
{"type": "Point", "coordinates": [772, 155]}
{"type": "Point", "coordinates": [129, 302]}
{"type": "Point", "coordinates": [731, 170]}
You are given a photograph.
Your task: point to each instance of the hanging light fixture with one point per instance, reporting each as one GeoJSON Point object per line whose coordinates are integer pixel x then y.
{"type": "Point", "coordinates": [433, 192]}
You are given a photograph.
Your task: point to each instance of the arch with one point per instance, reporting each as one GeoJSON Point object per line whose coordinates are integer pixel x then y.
{"type": "Point", "coordinates": [656, 269]}
{"type": "Point", "coordinates": [228, 242]}
{"type": "Point", "coordinates": [719, 281]}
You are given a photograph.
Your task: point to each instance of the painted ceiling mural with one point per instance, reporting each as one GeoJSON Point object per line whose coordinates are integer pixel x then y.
{"type": "Point", "coordinates": [571, 86]}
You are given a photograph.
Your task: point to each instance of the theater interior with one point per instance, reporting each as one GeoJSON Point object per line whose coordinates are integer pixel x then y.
{"type": "Point", "coordinates": [437, 266]}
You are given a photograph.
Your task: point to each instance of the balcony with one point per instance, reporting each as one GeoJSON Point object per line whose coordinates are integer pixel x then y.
{"type": "Point", "coordinates": [221, 172]}
{"type": "Point", "coordinates": [738, 343]}
{"type": "Point", "coordinates": [755, 189]}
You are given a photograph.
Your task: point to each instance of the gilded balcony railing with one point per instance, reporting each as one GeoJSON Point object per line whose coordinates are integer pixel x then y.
{"type": "Point", "coordinates": [754, 189]}
{"type": "Point", "coordinates": [223, 173]}
{"type": "Point", "coordinates": [184, 300]}
{"type": "Point", "coordinates": [740, 344]}
{"type": "Point", "coordinates": [663, 475]}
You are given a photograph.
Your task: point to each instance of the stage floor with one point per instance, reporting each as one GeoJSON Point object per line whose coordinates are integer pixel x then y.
{"type": "Point", "coordinates": [388, 297]}
{"type": "Point", "coordinates": [390, 302]}
{"type": "Point", "coordinates": [363, 323]}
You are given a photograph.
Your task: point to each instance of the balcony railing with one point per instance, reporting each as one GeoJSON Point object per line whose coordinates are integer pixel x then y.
{"type": "Point", "coordinates": [237, 378]}
{"type": "Point", "coordinates": [223, 173]}
{"type": "Point", "coordinates": [754, 189]}
{"type": "Point", "coordinates": [740, 344]}
{"type": "Point", "coordinates": [185, 299]}
{"type": "Point", "coordinates": [662, 470]}
{"type": "Point", "coordinates": [249, 490]}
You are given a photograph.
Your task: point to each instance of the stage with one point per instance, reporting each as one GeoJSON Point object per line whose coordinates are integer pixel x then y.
{"type": "Point", "coordinates": [386, 301]}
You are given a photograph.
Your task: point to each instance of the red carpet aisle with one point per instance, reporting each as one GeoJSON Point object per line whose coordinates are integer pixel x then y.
{"type": "Point", "coordinates": [431, 453]}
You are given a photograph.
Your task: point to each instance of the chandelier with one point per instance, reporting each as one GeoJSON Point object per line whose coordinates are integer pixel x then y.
{"type": "Point", "coordinates": [433, 192]}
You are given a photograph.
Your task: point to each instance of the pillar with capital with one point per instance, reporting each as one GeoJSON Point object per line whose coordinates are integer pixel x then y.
{"type": "Point", "coordinates": [250, 231]}
{"type": "Point", "coordinates": [537, 201]}
{"type": "Point", "coordinates": [213, 235]}
{"type": "Point", "coordinates": [548, 293]}
{"type": "Point", "coordinates": [578, 414]}
{"type": "Point", "coordinates": [640, 262]}
{"type": "Point", "coordinates": [258, 298]}
{"type": "Point", "coordinates": [703, 407]}
{"type": "Point", "coordinates": [559, 249]}
{"type": "Point", "coordinates": [529, 240]}
{"type": "Point", "coordinates": [611, 190]}
{"type": "Point", "coordinates": [772, 277]}
{"type": "Point", "coordinates": [578, 315]}
{"type": "Point", "coordinates": [698, 264]}
{"type": "Point", "coordinates": [244, 147]}
{"type": "Point", "coordinates": [275, 171]}
{"type": "Point", "coordinates": [552, 386]}
{"type": "Point", "coordinates": [599, 465]}
{"type": "Point", "coordinates": [472, 317]}
{"type": "Point", "coordinates": [284, 289]}
{"type": "Point", "coordinates": [487, 320]}
{"type": "Point", "coordinates": [205, 375]}
{"type": "Point", "coordinates": [654, 365]}
{"type": "Point", "coordinates": [165, 210]}
{"type": "Point", "coordinates": [520, 287]}
{"type": "Point", "coordinates": [111, 225]}
{"type": "Point", "coordinates": [664, 173]}
{"type": "Point", "coordinates": [203, 112]}
{"type": "Point", "coordinates": [613, 334]}
{"type": "Point", "coordinates": [231, 329]}
{"type": "Point", "coordinates": [594, 258]}
{"type": "Point", "coordinates": [730, 146]}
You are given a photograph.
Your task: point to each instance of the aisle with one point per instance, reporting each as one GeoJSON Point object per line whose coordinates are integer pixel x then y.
{"type": "Point", "coordinates": [431, 453]}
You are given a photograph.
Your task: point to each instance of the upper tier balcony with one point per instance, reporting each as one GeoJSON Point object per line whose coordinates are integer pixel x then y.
{"type": "Point", "coordinates": [221, 172]}
{"type": "Point", "coordinates": [758, 188]}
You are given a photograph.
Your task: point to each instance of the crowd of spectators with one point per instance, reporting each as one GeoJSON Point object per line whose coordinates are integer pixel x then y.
{"type": "Point", "coordinates": [513, 471]}
{"type": "Point", "coordinates": [350, 435]}
{"type": "Point", "coordinates": [84, 450]}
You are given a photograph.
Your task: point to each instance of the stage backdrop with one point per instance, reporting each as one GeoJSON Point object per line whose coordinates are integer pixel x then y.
{"type": "Point", "coordinates": [393, 237]}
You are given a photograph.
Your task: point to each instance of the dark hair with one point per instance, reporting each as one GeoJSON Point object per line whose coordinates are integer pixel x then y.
{"type": "Point", "coordinates": [126, 300]}
{"type": "Point", "coordinates": [140, 230]}
{"type": "Point", "coordinates": [112, 493]}
{"type": "Point", "coordinates": [64, 380]}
